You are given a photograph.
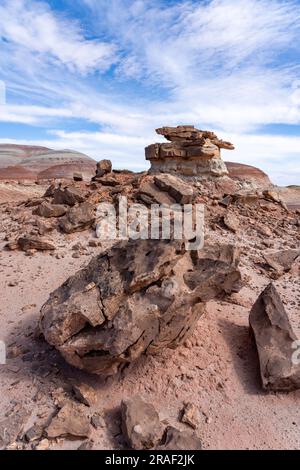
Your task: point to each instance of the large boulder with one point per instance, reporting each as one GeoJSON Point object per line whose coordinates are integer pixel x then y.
{"type": "Point", "coordinates": [270, 321]}
{"type": "Point", "coordinates": [140, 296]}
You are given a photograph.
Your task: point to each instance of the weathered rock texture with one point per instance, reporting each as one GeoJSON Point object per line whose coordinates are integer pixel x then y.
{"type": "Point", "coordinates": [140, 422]}
{"type": "Point", "coordinates": [192, 152]}
{"type": "Point", "coordinates": [275, 340]}
{"type": "Point", "coordinates": [140, 296]}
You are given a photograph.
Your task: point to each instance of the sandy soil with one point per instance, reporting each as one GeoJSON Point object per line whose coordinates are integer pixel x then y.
{"type": "Point", "coordinates": [217, 369]}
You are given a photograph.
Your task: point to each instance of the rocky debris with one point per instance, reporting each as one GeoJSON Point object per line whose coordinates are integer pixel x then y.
{"type": "Point", "coordinates": [44, 444]}
{"type": "Point", "coordinates": [192, 152]}
{"type": "Point", "coordinates": [50, 210]}
{"type": "Point", "coordinates": [146, 295]}
{"type": "Point", "coordinates": [97, 421]}
{"type": "Point", "coordinates": [282, 261]}
{"type": "Point", "coordinates": [180, 440]}
{"type": "Point", "coordinates": [274, 196]}
{"type": "Point", "coordinates": [85, 394]}
{"type": "Point", "coordinates": [31, 243]}
{"type": "Point", "coordinates": [140, 423]}
{"type": "Point", "coordinates": [71, 420]}
{"type": "Point", "coordinates": [175, 187]}
{"type": "Point", "coordinates": [275, 341]}
{"type": "Point", "coordinates": [86, 445]}
{"type": "Point", "coordinates": [77, 176]}
{"type": "Point", "coordinates": [78, 218]}
{"type": "Point", "coordinates": [149, 193]}
{"type": "Point", "coordinates": [190, 415]}
{"type": "Point", "coordinates": [34, 433]}
{"type": "Point", "coordinates": [109, 180]}
{"type": "Point", "coordinates": [231, 221]}
{"type": "Point", "coordinates": [44, 227]}
{"type": "Point", "coordinates": [69, 195]}
{"type": "Point", "coordinates": [12, 425]}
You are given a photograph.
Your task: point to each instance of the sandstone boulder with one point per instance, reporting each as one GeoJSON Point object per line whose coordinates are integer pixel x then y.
{"type": "Point", "coordinates": [140, 296]}
{"type": "Point", "coordinates": [78, 218]}
{"type": "Point", "coordinates": [275, 341]}
{"type": "Point", "coordinates": [103, 167]}
{"type": "Point", "coordinates": [282, 261]}
{"type": "Point", "coordinates": [69, 196]}
{"type": "Point", "coordinates": [48, 210]}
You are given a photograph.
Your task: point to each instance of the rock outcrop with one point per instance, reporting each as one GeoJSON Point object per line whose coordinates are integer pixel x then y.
{"type": "Point", "coordinates": [140, 296]}
{"type": "Point", "coordinates": [192, 152]}
{"type": "Point", "coordinates": [275, 341]}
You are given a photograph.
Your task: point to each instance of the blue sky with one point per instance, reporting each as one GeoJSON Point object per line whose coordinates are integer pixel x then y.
{"type": "Point", "coordinates": [99, 76]}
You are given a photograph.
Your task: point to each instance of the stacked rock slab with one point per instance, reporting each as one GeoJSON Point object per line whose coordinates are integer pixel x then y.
{"type": "Point", "coordinates": [191, 152]}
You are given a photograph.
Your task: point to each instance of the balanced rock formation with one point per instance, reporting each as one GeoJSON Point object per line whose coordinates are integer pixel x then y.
{"type": "Point", "coordinates": [139, 296]}
{"type": "Point", "coordinates": [192, 152]}
{"type": "Point", "coordinates": [276, 340]}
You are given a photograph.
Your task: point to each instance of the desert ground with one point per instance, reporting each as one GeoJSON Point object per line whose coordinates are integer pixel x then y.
{"type": "Point", "coordinates": [216, 369]}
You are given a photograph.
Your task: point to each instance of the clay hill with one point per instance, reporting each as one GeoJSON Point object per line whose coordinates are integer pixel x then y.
{"type": "Point", "coordinates": [19, 162]}
{"type": "Point", "coordinates": [150, 343]}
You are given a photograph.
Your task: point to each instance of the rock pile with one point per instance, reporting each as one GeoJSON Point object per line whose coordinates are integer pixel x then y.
{"type": "Point", "coordinates": [191, 152]}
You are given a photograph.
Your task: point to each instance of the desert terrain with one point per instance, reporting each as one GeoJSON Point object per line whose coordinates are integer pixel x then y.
{"type": "Point", "coordinates": [210, 385]}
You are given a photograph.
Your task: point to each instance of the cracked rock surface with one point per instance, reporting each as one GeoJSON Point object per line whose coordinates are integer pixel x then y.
{"type": "Point", "coordinates": [139, 296]}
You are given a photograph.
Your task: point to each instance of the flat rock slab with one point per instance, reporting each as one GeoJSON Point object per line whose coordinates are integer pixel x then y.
{"type": "Point", "coordinates": [178, 189]}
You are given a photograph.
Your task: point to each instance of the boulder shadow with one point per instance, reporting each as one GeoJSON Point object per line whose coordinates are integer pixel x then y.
{"type": "Point", "coordinates": [244, 356]}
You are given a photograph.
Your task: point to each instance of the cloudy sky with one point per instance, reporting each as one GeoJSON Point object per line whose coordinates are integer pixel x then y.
{"type": "Point", "coordinates": [99, 75]}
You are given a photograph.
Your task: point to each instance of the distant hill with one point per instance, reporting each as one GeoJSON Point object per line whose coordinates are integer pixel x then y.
{"type": "Point", "coordinates": [247, 172]}
{"type": "Point", "coordinates": [23, 162]}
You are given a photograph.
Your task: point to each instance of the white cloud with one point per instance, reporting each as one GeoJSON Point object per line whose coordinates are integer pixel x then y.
{"type": "Point", "coordinates": [33, 26]}
{"type": "Point", "coordinates": [226, 65]}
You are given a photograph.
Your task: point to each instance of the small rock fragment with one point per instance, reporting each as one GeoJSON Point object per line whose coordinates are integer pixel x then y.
{"type": "Point", "coordinates": [85, 394]}
{"type": "Point", "coordinates": [140, 423]}
{"type": "Point", "coordinates": [71, 420]}
{"type": "Point", "coordinates": [180, 440]}
{"type": "Point", "coordinates": [190, 415]}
